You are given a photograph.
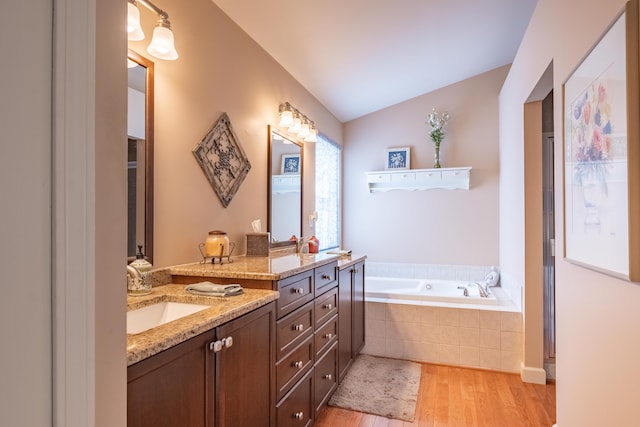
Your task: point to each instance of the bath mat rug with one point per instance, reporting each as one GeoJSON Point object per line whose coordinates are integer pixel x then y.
{"type": "Point", "coordinates": [380, 386]}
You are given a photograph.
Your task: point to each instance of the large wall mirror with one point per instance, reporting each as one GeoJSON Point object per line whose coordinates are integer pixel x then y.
{"type": "Point", "coordinates": [284, 188]}
{"type": "Point", "coordinates": [140, 156]}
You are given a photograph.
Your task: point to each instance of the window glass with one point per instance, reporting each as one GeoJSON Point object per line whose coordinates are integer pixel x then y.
{"type": "Point", "coordinates": [328, 157]}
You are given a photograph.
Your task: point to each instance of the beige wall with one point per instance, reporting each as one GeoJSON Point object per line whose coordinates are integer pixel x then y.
{"type": "Point", "coordinates": [220, 69]}
{"type": "Point", "coordinates": [110, 223]}
{"type": "Point", "coordinates": [25, 226]}
{"type": "Point", "coordinates": [596, 315]}
{"type": "Point", "coordinates": [435, 226]}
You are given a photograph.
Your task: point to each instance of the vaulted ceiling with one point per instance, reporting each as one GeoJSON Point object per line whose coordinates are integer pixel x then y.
{"type": "Point", "coordinates": [359, 56]}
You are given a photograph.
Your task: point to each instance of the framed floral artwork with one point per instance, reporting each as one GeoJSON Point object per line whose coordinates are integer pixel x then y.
{"type": "Point", "coordinates": [290, 164]}
{"type": "Point", "coordinates": [398, 158]}
{"type": "Point", "coordinates": [601, 153]}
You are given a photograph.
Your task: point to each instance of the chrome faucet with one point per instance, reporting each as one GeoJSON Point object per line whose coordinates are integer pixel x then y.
{"type": "Point", "coordinates": [482, 290]}
{"type": "Point", "coordinates": [300, 242]}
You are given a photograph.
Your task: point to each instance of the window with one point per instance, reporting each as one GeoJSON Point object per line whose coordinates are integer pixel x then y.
{"type": "Point", "coordinates": [328, 155]}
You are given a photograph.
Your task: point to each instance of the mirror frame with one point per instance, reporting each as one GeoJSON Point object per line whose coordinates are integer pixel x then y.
{"type": "Point", "coordinates": [270, 169]}
{"type": "Point", "coordinates": [149, 152]}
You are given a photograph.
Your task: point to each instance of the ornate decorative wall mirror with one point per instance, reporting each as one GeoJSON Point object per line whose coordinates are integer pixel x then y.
{"type": "Point", "coordinates": [284, 188]}
{"type": "Point", "coordinates": [140, 156]}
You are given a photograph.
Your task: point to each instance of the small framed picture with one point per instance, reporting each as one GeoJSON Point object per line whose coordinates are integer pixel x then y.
{"type": "Point", "coordinates": [398, 158]}
{"type": "Point", "coordinates": [290, 164]}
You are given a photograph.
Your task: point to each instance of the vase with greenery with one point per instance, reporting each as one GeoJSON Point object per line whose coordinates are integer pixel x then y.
{"type": "Point", "coordinates": [437, 123]}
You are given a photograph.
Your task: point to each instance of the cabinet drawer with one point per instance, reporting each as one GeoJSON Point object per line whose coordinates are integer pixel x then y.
{"type": "Point", "coordinates": [295, 291]}
{"type": "Point", "coordinates": [429, 177]}
{"type": "Point", "coordinates": [326, 336]}
{"type": "Point", "coordinates": [293, 366]}
{"type": "Point", "coordinates": [403, 177]}
{"type": "Point", "coordinates": [294, 328]}
{"type": "Point", "coordinates": [326, 306]}
{"type": "Point", "coordinates": [378, 177]}
{"type": "Point", "coordinates": [325, 373]}
{"type": "Point", "coordinates": [295, 410]}
{"type": "Point", "coordinates": [325, 277]}
{"type": "Point", "coordinates": [455, 174]}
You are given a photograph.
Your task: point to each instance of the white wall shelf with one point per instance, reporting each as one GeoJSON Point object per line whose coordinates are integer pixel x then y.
{"type": "Point", "coordinates": [419, 179]}
{"type": "Point", "coordinates": [285, 184]}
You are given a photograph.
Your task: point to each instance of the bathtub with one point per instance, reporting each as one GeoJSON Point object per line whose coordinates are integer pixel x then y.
{"type": "Point", "coordinates": [416, 312]}
{"type": "Point", "coordinates": [403, 290]}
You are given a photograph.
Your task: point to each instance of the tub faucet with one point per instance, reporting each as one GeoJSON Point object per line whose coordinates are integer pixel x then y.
{"type": "Point", "coordinates": [465, 290]}
{"type": "Point", "coordinates": [482, 290]}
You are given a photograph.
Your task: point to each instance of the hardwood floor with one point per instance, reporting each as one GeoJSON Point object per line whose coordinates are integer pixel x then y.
{"type": "Point", "coordinates": [459, 397]}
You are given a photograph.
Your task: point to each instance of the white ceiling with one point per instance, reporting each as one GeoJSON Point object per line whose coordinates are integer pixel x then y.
{"type": "Point", "coordinates": [358, 56]}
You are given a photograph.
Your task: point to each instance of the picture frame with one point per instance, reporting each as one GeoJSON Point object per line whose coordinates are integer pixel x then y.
{"type": "Point", "coordinates": [398, 158]}
{"type": "Point", "coordinates": [601, 115]}
{"type": "Point", "coordinates": [290, 164]}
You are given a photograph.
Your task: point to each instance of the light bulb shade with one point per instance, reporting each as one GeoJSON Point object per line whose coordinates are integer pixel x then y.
{"type": "Point", "coordinates": [134, 29]}
{"type": "Point", "coordinates": [304, 130]}
{"type": "Point", "coordinates": [312, 137]}
{"type": "Point", "coordinates": [286, 118]}
{"type": "Point", "coordinates": [295, 127]}
{"type": "Point", "coordinates": [162, 45]}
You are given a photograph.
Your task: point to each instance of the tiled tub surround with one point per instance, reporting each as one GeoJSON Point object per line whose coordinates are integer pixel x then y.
{"type": "Point", "coordinates": [487, 337]}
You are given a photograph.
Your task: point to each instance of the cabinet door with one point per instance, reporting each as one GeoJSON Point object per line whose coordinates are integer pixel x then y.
{"type": "Point", "coordinates": [170, 388]}
{"type": "Point", "coordinates": [245, 381]}
{"type": "Point", "coordinates": [344, 321]}
{"type": "Point", "coordinates": [357, 337]}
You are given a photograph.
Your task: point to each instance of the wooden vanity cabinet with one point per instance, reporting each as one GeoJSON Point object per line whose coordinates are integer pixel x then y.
{"type": "Point", "coordinates": [351, 324]}
{"type": "Point", "coordinates": [221, 378]}
{"type": "Point", "coordinates": [307, 336]}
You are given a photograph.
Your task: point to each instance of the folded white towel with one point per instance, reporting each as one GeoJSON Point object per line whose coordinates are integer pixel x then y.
{"type": "Point", "coordinates": [341, 252]}
{"type": "Point", "coordinates": [212, 289]}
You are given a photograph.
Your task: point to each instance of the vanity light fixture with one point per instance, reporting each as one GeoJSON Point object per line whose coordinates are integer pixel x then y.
{"type": "Point", "coordinates": [162, 44]}
{"type": "Point", "coordinates": [297, 123]}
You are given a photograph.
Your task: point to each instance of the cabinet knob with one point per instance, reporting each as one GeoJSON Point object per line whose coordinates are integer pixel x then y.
{"type": "Point", "coordinates": [299, 415]}
{"type": "Point", "coordinates": [326, 277]}
{"type": "Point", "coordinates": [299, 291]}
{"type": "Point", "coordinates": [227, 342]}
{"type": "Point", "coordinates": [328, 306]}
{"type": "Point", "coordinates": [298, 364]}
{"type": "Point", "coordinates": [328, 377]}
{"type": "Point", "coordinates": [298, 328]}
{"type": "Point", "coordinates": [216, 346]}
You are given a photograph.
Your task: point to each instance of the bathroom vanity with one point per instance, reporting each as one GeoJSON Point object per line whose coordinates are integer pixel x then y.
{"type": "Point", "coordinates": [287, 344]}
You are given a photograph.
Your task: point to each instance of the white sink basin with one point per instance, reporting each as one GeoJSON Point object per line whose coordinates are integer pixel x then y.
{"type": "Point", "coordinates": [148, 317]}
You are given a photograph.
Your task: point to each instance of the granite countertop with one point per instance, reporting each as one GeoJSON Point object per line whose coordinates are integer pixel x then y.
{"type": "Point", "coordinates": [347, 261]}
{"type": "Point", "coordinates": [273, 267]}
{"type": "Point", "coordinates": [222, 310]}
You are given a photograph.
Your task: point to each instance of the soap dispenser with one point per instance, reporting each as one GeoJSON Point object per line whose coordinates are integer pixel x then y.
{"type": "Point", "coordinates": [141, 263]}
{"type": "Point", "coordinates": [137, 281]}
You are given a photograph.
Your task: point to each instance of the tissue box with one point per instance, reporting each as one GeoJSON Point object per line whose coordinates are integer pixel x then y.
{"type": "Point", "coordinates": [257, 244]}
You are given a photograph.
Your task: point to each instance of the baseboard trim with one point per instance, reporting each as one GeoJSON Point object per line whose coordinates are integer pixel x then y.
{"type": "Point", "coordinates": [533, 375]}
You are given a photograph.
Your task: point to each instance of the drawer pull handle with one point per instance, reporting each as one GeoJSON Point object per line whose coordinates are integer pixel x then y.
{"type": "Point", "coordinates": [328, 306]}
{"type": "Point", "coordinates": [298, 364]}
{"type": "Point", "coordinates": [328, 377]}
{"type": "Point", "coordinates": [326, 277]}
{"type": "Point", "coordinates": [298, 291]}
{"type": "Point", "coordinates": [299, 415]}
{"type": "Point", "coordinates": [329, 336]}
{"type": "Point", "coordinates": [298, 328]}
